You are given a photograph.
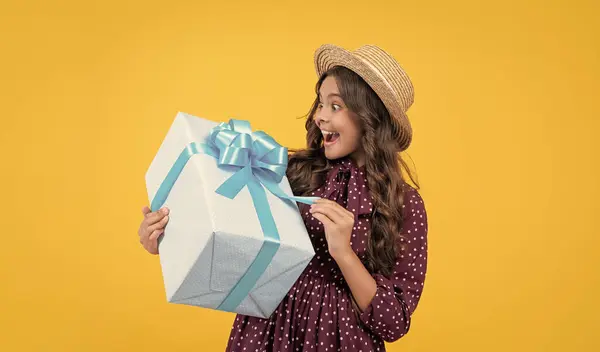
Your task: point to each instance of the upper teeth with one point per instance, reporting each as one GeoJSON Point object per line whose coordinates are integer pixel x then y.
{"type": "Point", "coordinates": [327, 132]}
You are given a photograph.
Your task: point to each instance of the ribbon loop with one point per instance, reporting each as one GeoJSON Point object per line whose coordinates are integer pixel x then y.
{"type": "Point", "coordinates": [240, 147]}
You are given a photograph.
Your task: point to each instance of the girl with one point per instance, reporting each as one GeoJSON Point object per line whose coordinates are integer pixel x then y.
{"type": "Point", "coordinates": [369, 229]}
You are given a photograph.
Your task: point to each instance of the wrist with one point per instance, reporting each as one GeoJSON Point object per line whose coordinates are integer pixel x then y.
{"type": "Point", "coordinates": [343, 255]}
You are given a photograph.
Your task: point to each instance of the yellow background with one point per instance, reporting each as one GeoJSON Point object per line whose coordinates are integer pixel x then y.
{"type": "Point", "coordinates": [506, 148]}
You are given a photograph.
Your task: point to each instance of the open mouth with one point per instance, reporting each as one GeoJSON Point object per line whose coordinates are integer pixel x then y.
{"type": "Point", "coordinates": [330, 138]}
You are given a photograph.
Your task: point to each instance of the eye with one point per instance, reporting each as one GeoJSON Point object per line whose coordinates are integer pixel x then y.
{"type": "Point", "coordinates": [336, 107]}
{"type": "Point", "coordinates": [320, 106]}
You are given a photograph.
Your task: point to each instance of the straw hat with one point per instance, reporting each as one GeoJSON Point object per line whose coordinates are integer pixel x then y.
{"type": "Point", "coordinates": [381, 71]}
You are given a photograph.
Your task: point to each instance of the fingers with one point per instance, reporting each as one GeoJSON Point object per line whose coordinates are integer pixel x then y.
{"type": "Point", "coordinates": [150, 243]}
{"type": "Point", "coordinates": [152, 227]}
{"type": "Point", "coordinates": [331, 215]}
{"type": "Point", "coordinates": [154, 217]}
{"type": "Point", "coordinates": [335, 206]}
{"type": "Point", "coordinates": [158, 225]}
{"type": "Point", "coordinates": [155, 234]}
{"type": "Point", "coordinates": [324, 219]}
{"type": "Point", "coordinates": [334, 211]}
{"type": "Point", "coordinates": [152, 247]}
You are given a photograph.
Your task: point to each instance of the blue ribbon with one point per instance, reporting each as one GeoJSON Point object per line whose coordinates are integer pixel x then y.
{"type": "Point", "coordinates": [260, 161]}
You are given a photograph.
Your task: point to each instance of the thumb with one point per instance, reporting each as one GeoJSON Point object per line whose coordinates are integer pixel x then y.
{"type": "Point", "coordinates": [146, 210]}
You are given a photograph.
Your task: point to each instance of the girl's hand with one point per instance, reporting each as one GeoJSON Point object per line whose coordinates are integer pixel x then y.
{"type": "Point", "coordinates": [338, 223]}
{"type": "Point", "coordinates": [152, 227]}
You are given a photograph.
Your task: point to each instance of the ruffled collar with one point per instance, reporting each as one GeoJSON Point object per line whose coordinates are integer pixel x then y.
{"type": "Point", "coordinates": [347, 184]}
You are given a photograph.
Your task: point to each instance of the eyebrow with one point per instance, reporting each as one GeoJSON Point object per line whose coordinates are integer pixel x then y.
{"type": "Point", "coordinates": [332, 95]}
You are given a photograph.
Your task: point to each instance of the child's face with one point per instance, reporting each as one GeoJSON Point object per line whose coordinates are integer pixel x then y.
{"type": "Point", "coordinates": [340, 127]}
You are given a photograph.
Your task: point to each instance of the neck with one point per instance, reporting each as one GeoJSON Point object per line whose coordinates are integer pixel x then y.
{"type": "Point", "coordinates": [359, 158]}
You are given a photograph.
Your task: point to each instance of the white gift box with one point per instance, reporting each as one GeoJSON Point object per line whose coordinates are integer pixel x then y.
{"type": "Point", "coordinates": [211, 241]}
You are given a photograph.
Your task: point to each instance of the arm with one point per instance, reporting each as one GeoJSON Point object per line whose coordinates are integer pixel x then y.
{"type": "Point", "coordinates": [362, 285]}
{"type": "Point", "coordinates": [385, 304]}
{"type": "Point", "coordinates": [389, 313]}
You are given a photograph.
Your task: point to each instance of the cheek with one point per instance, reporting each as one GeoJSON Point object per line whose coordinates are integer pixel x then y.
{"type": "Point", "coordinates": [353, 133]}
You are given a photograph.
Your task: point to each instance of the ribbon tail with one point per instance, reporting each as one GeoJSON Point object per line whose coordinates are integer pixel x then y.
{"type": "Point", "coordinates": [234, 184]}
{"type": "Point", "coordinates": [167, 184]}
{"type": "Point", "coordinates": [274, 188]}
{"type": "Point", "coordinates": [265, 255]}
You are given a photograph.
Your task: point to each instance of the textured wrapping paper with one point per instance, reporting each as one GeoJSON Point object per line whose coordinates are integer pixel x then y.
{"type": "Point", "coordinates": [235, 240]}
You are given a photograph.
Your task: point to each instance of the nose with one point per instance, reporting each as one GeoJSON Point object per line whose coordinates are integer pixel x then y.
{"type": "Point", "coordinates": [321, 117]}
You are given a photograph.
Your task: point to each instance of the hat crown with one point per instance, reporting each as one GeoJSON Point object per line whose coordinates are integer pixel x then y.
{"type": "Point", "coordinates": [390, 72]}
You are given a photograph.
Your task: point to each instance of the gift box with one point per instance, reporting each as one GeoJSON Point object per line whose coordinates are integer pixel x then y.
{"type": "Point", "coordinates": [235, 240]}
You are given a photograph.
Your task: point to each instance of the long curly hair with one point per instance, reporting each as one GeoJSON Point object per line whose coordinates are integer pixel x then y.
{"type": "Point", "coordinates": [307, 168]}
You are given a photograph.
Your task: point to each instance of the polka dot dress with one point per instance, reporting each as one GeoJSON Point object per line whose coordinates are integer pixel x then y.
{"type": "Point", "coordinates": [318, 313]}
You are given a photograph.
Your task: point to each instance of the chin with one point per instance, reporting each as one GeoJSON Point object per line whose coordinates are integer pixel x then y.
{"type": "Point", "coordinates": [334, 154]}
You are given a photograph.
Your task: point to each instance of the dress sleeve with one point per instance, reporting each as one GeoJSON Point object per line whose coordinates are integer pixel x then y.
{"type": "Point", "coordinates": [389, 313]}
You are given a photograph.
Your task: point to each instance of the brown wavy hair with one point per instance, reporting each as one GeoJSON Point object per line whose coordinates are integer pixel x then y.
{"type": "Point", "coordinates": [307, 168]}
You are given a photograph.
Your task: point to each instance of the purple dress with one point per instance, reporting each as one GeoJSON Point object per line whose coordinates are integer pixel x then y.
{"type": "Point", "coordinates": [318, 313]}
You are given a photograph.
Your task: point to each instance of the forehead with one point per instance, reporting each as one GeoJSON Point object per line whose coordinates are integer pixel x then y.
{"type": "Point", "coordinates": [329, 86]}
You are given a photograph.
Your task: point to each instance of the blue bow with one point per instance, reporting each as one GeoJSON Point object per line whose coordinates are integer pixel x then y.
{"type": "Point", "coordinates": [260, 161]}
